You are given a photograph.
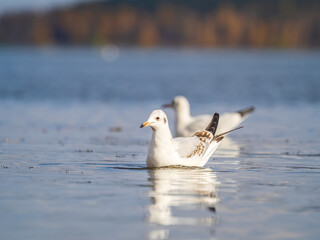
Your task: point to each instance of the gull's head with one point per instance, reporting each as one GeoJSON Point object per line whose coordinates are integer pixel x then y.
{"type": "Point", "coordinates": [156, 119]}
{"type": "Point", "coordinates": [178, 103]}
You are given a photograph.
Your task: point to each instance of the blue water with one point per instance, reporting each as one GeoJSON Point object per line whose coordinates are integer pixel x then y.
{"type": "Point", "coordinates": [66, 174]}
{"type": "Point", "coordinates": [221, 76]}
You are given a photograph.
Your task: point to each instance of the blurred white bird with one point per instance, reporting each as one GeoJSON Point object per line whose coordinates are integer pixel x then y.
{"type": "Point", "coordinates": [186, 125]}
{"type": "Point", "coordinates": [185, 151]}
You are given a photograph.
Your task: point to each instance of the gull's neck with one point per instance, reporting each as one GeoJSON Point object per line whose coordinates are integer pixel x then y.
{"type": "Point", "coordinates": [161, 148]}
{"type": "Point", "coordinates": [161, 135]}
{"type": "Point", "coordinates": [182, 118]}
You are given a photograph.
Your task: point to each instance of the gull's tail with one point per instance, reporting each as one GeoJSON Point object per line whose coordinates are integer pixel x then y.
{"type": "Point", "coordinates": [212, 127]}
{"type": "Point", "coordinates": [219, 137]}
{"type": "Point", "coordinates": [246, 111]}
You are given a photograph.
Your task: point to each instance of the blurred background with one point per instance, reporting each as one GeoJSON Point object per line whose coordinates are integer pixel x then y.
{"type": "Point", "coordinates": [228, 51]}
{"type": "Point", "coordinates": [206, 23]}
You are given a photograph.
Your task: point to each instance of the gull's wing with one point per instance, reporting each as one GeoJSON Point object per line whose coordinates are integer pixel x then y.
{"type": "Point", "coordinates": [196, 146]}
{"type": "Point", "coordinates": [229, 121]}
{"type": "Point", "coordinates": [196, 150]}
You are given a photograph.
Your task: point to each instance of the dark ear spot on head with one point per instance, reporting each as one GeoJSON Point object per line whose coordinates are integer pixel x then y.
{"type": "Point", "coordinates": [165, 120]}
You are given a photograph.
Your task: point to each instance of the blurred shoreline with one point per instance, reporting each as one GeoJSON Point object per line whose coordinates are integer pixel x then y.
{"type": "Point", "coordinates": [244, 24]}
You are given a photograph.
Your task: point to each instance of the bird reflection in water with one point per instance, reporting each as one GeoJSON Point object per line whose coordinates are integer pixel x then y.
{"type": "Point", "coordinates": [181, 196]}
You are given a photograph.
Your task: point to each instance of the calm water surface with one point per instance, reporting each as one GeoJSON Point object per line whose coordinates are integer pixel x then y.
{"type": "Point", "coordinates": [66, 173]}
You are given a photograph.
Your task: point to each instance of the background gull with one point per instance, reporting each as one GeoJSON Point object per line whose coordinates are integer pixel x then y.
{"type": "Point", "coordinates": [186, 125]}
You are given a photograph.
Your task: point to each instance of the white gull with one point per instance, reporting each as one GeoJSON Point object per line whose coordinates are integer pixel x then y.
{"type": "Point", "coordinates": [184, 151]}
{"type": "Point", "coordinates": [186, 125]}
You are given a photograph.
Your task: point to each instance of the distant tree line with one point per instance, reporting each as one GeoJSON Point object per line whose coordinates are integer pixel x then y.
{"type": "Point", "coordinates": [269, 23]}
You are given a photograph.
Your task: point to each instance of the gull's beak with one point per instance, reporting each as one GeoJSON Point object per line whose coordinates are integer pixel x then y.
{"type": "Point", "coordinates": [145, 124]}
{"type": "Point", "coordinates": [168, 105]}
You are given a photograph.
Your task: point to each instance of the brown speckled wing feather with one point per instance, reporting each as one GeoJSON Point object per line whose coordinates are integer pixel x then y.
{"type": "Point", "coordinates": [205, 138]}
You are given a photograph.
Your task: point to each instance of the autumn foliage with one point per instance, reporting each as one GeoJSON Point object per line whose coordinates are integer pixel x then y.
{"type": "Point", "coordinates": [283, 23]}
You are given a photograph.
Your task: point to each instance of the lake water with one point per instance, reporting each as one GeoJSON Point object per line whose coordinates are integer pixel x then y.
{"type": "Point", "coordinates": [72, 156]}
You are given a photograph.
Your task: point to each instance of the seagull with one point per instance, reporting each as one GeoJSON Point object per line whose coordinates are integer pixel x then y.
{"type": "Point", "coordinates": [182, 151]}
{"type": "Point", "coordinates": [186, 125]}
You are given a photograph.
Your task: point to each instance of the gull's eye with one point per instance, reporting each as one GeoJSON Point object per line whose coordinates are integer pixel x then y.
{"type": "Point", "coordinates": [157, 118]}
